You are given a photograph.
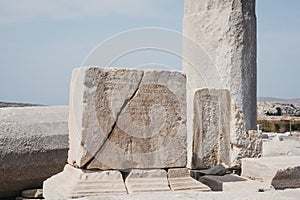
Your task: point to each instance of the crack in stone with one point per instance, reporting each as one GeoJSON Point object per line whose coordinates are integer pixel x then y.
{"type": "Point", "coordinates": [116, 121]}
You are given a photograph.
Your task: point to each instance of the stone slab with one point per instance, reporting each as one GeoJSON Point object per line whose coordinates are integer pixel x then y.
{"type": "Point", "coordinates": [152, 180]}
{"type": "Point", "coordinates": [33, 146]}
{"type": "Point", "coordinates": [75, 183]}
{"type": "Point", "coordinates": [138, 116]}
{"type": "Point", "coordinates": [180, 179]}
{"type": "Point", "coordinates": [221, 183]}
{"type": "Point", "coordinates": [280, 172]}
{"type": "Point", "coordinates": [211, 128]}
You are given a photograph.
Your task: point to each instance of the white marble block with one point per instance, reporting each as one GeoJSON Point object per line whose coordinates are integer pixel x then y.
{"type": "Point", "coordinates": [127, 118]}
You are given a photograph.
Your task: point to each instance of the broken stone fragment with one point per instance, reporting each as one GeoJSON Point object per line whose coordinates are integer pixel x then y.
{"type": "Point", "coordinates": [127, 118]}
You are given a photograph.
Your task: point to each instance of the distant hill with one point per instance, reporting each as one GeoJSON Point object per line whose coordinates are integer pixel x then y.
{"type": "Point", "coordinates": [295, 102]}
{"type": "Point", "coordinates": [8, 104]}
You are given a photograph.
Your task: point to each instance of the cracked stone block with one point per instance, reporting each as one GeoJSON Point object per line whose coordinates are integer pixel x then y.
{"type": "Point", "coordinates": [74, 183]}
{"type": "Point", "coordinates": [154, 180]}
{"type": "Point", "coordinates": [211, 128]}
{"type": "Point", "coordinates": [280, 172]}
{"type": "Point", "coordinates": [127, 118]}
{"type": "Point", "coordinates": [180, 179]}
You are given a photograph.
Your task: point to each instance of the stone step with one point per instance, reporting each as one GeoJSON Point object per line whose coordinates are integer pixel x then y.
{"type": "Point", "coordinates": [74, 183]}
{"type": "Point", "coordinates": [179, 179]}
{"type": "Point", "coordinates": [147, 181]}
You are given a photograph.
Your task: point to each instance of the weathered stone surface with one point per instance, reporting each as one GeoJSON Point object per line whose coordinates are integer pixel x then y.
{"type": "Point", "coordinates": [33, 146]}
{"type": "Point", "coordinates": [153, 180]}
{"type": "Point", "coordinates": [180, 179]}
{"type": "Point", "coordinates": [216, 182]}
{"type": "Point", "coordinates": [280, 172]}
{"type": "Point", "coordinates": [249, 146]}
{"type": "Point", "coordinates": [34, 193]}
{"type": "Point", "coordinates": [74, 183]}
{"type": "Point", "coordinates": [212, 140]}
{"type": "Point", "coordinates": [211, 128]}
{"type": "Point", "coordinates": [127, 118]}
{"type": "Point", "coordinates": [226, 30]}
{"type": "Point", "coordinates": [233, 183]}
{"type": "Point", "coordinates": [220, 52]}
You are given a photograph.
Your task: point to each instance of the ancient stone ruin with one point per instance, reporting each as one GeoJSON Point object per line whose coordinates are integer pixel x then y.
{"type": "Point", "coordinates": [146, 130]}
{"type": "Point", "coordinates": [124, 119]}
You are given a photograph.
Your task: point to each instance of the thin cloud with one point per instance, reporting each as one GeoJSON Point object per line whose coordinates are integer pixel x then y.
{"type": "Point", "coordinates": [17, 11]}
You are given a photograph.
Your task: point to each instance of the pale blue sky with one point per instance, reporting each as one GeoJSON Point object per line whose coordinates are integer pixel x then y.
{"type": "Point", "coordinates": [42, 41]}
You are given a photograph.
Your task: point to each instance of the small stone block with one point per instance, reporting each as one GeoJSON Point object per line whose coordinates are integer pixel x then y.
{"type": "Point", "coordinates": [179, 179]}
{"type": "Point", "coordinates": [154, 180]}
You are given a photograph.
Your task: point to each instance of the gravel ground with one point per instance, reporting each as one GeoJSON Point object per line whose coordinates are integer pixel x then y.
{"type": "Point", "coordinates": [188, 195]}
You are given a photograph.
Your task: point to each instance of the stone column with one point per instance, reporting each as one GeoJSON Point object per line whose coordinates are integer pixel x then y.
{"type": "Point", "coordinates": [219, 51]}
